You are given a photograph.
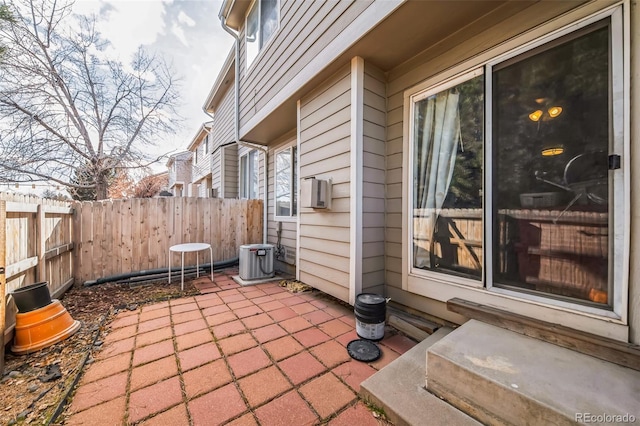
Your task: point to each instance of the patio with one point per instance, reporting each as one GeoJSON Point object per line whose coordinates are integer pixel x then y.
{"type": "Point", "coordinates": [230, 355]}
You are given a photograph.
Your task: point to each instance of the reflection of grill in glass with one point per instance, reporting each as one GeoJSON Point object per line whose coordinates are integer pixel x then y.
{"type": "Point", "coordinates": [585, 175]}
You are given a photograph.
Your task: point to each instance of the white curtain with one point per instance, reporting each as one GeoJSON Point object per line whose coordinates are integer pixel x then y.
{"type": "Point", "coordinates": [435, 156]}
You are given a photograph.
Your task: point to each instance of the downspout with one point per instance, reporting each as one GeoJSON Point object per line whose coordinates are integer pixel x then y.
{"type": "Point", "coordinates": [264, 149]}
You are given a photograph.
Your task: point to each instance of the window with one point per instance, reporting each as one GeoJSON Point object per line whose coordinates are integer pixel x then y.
{"type": "Point", "coordinates": [511, 184]}
{"type": "Point", "coordinates": [447, 169]}
{"type": "Point", "coordinates": [285, 183]}
{"type": "Point", "coordinates": [249, 175]}
{"type": "Point", "coordinates": [262, 22]}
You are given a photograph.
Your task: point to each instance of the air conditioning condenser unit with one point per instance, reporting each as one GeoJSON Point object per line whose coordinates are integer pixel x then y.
{"type": "Point", "coordinates": [256, 261]}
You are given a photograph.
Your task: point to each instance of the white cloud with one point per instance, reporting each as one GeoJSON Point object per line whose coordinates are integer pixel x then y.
{"type": "Point", "coordinates": [183, 18]}
{"type": "Point", "coordinates": [177, 31]}
{"type": "Point", "coordinates": [126, 24]}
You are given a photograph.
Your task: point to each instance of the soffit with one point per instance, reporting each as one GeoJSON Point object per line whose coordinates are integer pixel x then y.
{"type": "Point", "coordinates": [405, 36]}
{"type": "Point", "coordinates": [233, 13]}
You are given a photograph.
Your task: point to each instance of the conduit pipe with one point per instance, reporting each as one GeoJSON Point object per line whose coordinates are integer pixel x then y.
{"type": "Point", "coordinates": [161, 272]}
{"type": "Point", "coordinates": [265, 150]}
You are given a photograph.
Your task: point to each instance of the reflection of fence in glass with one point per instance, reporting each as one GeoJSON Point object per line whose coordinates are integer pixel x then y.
{"type": "Point", "coordinates": [455, 244]}
{"type": "Point", "coordinates": [568, 258]}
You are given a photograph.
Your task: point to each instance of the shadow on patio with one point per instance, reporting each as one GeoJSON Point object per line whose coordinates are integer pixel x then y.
{"type": "Point", "coordinates": [230, 355]}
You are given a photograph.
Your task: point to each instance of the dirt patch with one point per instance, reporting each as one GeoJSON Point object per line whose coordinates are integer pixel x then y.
{"type": "Point", "coordinates": [30, 393]}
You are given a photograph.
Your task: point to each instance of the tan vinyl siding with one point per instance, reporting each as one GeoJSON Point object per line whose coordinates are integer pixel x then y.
{"type": "Point", "coordinates": [201, 168]}
{"type": "Point", "coordinates": [393, 230]}
{"type": "Point", "coordinates": [306, 28]}
{"type": "Point", "coordinates": [204, 188]}
{"type": "Point", "coordinates": [373, 191]}
{"type": "Point", "coordinates": [231, 161]}
{"type": "Point", "coordinates": [180, 172]}
{"type": "Point", "coordinates": [289, 232]}
{"type": "Point", "coordinates": [216, 171]}
{"type": "Point", "coordinates": [223, 125]}
{"type": "Point", "coordinates": [324, 152]}
{"type": "Point", "coordinates": [222, 133]}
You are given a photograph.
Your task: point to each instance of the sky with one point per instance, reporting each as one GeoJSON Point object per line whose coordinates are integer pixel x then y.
{"type": "Point", "coordinates": [187, 33]}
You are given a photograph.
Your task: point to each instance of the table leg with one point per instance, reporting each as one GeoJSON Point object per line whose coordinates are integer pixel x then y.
{"type": "Point", "coordinates": [197, 265]}
{"type": "Point", "coordinates": [182, 281]}
{"type": "Point", "coordinates": [169, 266]}
{"type": "Point", "coordinates": [211, 254]}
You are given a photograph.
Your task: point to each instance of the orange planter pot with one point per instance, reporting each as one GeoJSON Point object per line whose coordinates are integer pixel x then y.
{"type": "Point", "coordinates": [42, 327]}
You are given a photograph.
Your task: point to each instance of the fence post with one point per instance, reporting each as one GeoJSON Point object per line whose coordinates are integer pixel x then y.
{"type": "Point", "coordinates": [3, 282]}
{"type": "Point", "coordinates": [40, 243]}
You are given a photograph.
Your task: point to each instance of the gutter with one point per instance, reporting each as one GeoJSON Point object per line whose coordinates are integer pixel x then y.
{"type": "Point", "coordinates": [264, 149]}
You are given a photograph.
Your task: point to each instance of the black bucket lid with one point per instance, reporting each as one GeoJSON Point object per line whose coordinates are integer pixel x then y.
{"type": "Point", "coordinates": [363, 350]}
{"type": "Point", "coordinates": [371, 299]}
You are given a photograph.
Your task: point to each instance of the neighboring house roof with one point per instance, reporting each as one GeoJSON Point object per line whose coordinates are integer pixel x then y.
{"type": "Point", "coordinates": [223, 81]}
{"type": "Point", "coordinates": [182, 155]}
{"type": "Point", "coordinates": [202, 132]}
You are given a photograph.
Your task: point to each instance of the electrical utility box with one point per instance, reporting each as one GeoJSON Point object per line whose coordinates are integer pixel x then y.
{"type": "Point", "coordinates": [315, 193]}
{"type": "Point", "coordinates": [256, 261]}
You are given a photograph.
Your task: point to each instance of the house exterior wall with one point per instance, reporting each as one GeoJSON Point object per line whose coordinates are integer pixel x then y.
{"type": "Point", "coordinates": [230, 160]}
{"type": "Point", "coordinates": [467, 46]}
{"type": "Point", "coordinates": [305, 29]}
{"type": "Point", "coordinates": [326, 130]}
{"type": "Point", "coordinates": [373, 176]}
{"type": "Point", "coordinates": [288, 227]}
{"type": "Point", "coordinates": [179, 173]}
{"type": "Point", "coordinates": [310, 35]}
{"type": "Point", "coordinates": [204, 187]}
{"type": "Point", "coordinates": [222, 133]}
{"type": "Point", "coordinates": [201, 167]}
{"type": "Point", "coordinates": [324, 152]}
{"type": "Point", "coordinates": [222, 124]}
{"type": "Point", "coordinates": [216, 171]}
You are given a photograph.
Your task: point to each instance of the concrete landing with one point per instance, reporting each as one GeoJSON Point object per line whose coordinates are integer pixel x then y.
{"type": "Point", "coordinates": [399, 388]}
{"type": "Point", "coordinates": [502, 377]}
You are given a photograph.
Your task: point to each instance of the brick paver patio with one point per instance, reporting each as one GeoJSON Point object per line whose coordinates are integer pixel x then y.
{"type": "Point", "coordinates": [253, 355]}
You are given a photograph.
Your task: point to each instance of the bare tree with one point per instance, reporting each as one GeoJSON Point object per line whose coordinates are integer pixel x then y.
{"type": "Point", "coordinates": [5, 16]}
{"type": "Point", "coordinates": [121, 186]}
{"type": "Point", "coordinates": [65, 105]}
{"type": "Point", "coordinates": [150, 186]}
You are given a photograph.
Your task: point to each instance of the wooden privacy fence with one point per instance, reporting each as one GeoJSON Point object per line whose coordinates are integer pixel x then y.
{"type": "Point", "coordinates": [121, 236]}
{"type": "Point", "coordinates": [36, 244]}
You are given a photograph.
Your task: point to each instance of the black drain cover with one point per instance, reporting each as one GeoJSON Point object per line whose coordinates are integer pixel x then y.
{"type": "Point", "coordinates": [363, 350]}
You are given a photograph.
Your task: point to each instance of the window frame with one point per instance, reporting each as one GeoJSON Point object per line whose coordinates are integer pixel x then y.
{"type": "Point", "coordinates": [250, 61]}
{"type": "Point", "coordinates": [246, 171]}
{"type": "Point", "coordinates": [619, 243]}
{"type": "Point", "coordinates": [414, 99]}
{"type": "Point", "coordinates": [293, 181]}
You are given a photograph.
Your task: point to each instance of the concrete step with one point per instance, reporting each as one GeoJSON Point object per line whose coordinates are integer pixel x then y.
{"type": "Point", "coordinates": [502, 377]}
{"type": "Point", "coordinates": [399, 389]}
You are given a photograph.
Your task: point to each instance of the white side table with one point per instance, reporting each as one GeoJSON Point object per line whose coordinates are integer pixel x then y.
{"type": "Point", "coordinates": [187, 248]}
